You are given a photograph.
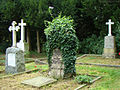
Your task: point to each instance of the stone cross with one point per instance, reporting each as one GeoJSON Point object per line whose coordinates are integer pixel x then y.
{"type": "Point", "coordinates": [22, 30]}
{"type": "Point", "coordinates": [109, 25]}
{"type": "Point", "coordinates": [14, 28]}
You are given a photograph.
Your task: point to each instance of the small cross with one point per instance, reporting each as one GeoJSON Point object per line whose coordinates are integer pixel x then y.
{"type": "Point", "coordinates": [22, 24]}
{"type": "Point", "coordinates": [14, 28]}
{"type": "Point", "coordinates": [109, 25]}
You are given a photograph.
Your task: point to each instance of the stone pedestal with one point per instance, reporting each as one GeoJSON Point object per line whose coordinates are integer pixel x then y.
{"type": "Point", "coordinates": [14, 62]}
{"type": "Point", "coordinates": [109, 47]}
{"type": "Point", "coordinates": [57, 66]}
{"type": "Point", "coordinates": [23, 46]}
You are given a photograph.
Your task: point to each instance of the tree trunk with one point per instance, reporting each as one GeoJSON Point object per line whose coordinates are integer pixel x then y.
{"type": "Point", "coordinates": [28, 39]}
{"type": "Point", "coordinates": [38, 42]}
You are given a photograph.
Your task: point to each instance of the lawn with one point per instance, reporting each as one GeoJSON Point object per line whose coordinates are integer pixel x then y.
{"type": "Point", "coordinates": [98, 60]}
{"type": "Point", "coordinates": [109, 81]}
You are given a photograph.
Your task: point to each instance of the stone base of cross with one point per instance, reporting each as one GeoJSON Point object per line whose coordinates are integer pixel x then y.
{"type": "Point", "coordinates": [23, 46]}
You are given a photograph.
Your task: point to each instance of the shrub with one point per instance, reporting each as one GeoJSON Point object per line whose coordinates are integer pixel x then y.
{"type": "Point", "coordinates": [60, 34]}
{"type": "Point", "coordinates": [83, 79]}
{"type": "Point", "coordinates": [92, 45]}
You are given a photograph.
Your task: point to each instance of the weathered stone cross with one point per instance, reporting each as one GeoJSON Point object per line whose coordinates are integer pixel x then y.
{"type": "Point", "coordinates": [109, 25]}
{"type": "Point", "coordinates": [14, 28]}
{"type": "Point", "coordinates": [22, 30]}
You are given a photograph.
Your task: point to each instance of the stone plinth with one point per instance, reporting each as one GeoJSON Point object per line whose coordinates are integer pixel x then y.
{"type": "Point", "coordinates": [109, 47]}
{"type": "Point", "coordinates": [14, 62]}
{"type": "Point", "coordinates": [23, 46]}
{"type": "Point", "coordinates": [57, 66]}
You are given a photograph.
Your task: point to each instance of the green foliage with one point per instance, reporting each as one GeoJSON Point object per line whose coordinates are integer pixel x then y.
{"type": "Point", "coordinates": [7, 8]}
{"type": "Point", "coordinates": [83, 79]}
{"type": "Point", "coordinates": [34, 54]}
{"type": "Point", "coordinates": [3, 46]}
{"type": "Point", "coordinates": [117, 37]}
{"type": "Point", "coordinates": [110, 79]}
{"type": "Point", "coordinates": [89, 17]}
{"type": "Point", "coordinates": [92, 45]}
{"type": "Point", "coordinates": [60, 34]}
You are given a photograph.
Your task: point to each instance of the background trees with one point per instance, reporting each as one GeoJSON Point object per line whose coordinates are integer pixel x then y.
{"type": "Point", "coordinates": [89, 20]}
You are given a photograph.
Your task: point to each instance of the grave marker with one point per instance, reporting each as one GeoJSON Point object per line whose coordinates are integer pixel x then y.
{"type": "Point", "coordinates": [14, 62]}
{"type": "Point", "coordinates": [14, 28]}
{"type": "Point", "coordinates": [109, 43]}
{"type": "Point", "coordinates": [22, 24]}
{"type": "Point", "coordinates": [109, 27]}
{"type": "Point", "coordinates": [57, 67]}
{"type": "Point", "coordinates": [22, 44]}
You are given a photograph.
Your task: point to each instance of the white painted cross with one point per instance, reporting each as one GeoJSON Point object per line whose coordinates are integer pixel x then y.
{"type": "Point", "coordinates": [22, 30]}
{"type": "Point", "coordinates": [109, 25]}
{"type": "Point", "coordinates": [14, 28]}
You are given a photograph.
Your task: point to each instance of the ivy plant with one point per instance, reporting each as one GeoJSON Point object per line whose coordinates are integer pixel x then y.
{"type": "Point", "coordinates": [60, 34]}
{"type": "Point", "coordinates": [83, 79]}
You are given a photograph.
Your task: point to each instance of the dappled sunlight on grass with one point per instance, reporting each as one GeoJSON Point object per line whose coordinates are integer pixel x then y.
{"type": "Point", "coordinates": [98, 60]}
{"type": "Point", "coordinates": [111, 76]}
{"type": "Point", "coordinates": [31, 66]}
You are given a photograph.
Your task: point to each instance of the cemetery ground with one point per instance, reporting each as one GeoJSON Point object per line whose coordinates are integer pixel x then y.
{"type": "Point", "coordinates": [109, 81]}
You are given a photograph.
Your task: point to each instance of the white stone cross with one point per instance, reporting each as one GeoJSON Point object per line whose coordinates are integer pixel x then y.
{"type": "Point", "coordinates": [109, 25]}
{"type": "Point", "coordinates": [14, 28]}
{"type": "Point", "coordinates": [22, 30]}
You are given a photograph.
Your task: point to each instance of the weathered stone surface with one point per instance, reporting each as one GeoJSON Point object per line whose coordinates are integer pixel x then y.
{"type": "Point", "coordinates": [109, 42]}
{"type": "Point", "coordinates": [57, 66]}
{"type": "Point", "coordinates": [39, 81]}
{"type": "Point", "coordinates": [17, 57]}
{"type": "Point", "coordinates": [109, 47]}
{"type": "Point", "coordinates": [23, 46]}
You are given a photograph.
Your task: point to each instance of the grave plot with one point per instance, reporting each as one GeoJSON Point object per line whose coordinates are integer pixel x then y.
{"type": "Point", "coordinates": [16, 80]}
{"type": "Point", "coordinates": [98, 60]}
{"type": "Point", "coordinates": [28, 62]}
{"type": "Point", "coordinates": [109, 75]}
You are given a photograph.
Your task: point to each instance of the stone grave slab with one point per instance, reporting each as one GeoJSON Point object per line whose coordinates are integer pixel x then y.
{"type": "Point", "coordinates": [39, 81]}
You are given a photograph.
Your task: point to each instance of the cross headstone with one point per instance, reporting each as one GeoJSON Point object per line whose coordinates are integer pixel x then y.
{"type": "Point", "coordinates": [22, 24]}
{"type": "Point", "coordinates": [109, 43]}
{"type": "Point", "coordinates": [109, 27]}
{"type": "Point", "coordinates": [14, 28]}
{"type": "Point", "coordinates": [14, 62]}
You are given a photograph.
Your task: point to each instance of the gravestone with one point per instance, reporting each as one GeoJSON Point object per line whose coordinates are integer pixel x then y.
{"type": "Point", "coordinates": [22, 44]}
{"type": "Point", "coordinates": [57, 67]}
{"type": "Point", "coordinates": [14, 62]}
{"type": "Point", "coordinates": [109, 43]}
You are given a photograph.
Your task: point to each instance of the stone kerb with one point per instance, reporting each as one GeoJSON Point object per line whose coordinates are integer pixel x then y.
{"type": "Point", "coordinates": [14, 62]}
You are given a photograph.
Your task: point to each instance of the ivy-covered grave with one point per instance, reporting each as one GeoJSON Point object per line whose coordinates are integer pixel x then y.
{"type": "Point", "coordinates": [61, 38]}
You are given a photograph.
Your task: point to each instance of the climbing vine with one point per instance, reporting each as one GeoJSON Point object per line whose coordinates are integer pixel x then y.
{"type": "Point", "coordinates": [60, 34]}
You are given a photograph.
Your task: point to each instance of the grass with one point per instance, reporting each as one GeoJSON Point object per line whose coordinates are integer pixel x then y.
{"type": "Point", "coordinates": [32, 66]}
{"type": "Point", "coordinates": [99, 60]}
{"type": "Point", "coordinates": [2, 68]}
{"type": "Point", "coordinates": [35, 55]}
{"type": "Point", "coordinates": [110, 80]}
